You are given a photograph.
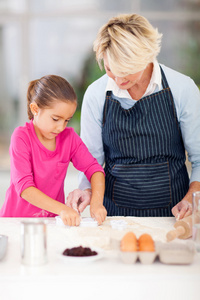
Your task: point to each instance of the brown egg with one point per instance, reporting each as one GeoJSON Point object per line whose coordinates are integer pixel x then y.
{"type": "Point", "coordinates": [145, 237]}
{"type": "Point", "coordinates": [129, 242]}
{"type": "Point", "coordinates": [146, 243]}
{"type": "Point", "coordinates": [147, 247]}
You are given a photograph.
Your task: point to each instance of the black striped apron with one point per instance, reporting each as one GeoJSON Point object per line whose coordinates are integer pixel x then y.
{"type": "Point", "coordinates": [144, 156]}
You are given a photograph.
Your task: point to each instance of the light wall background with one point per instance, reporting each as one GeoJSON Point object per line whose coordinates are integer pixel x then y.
{"type": "Point", "coordinates": [39, 37]}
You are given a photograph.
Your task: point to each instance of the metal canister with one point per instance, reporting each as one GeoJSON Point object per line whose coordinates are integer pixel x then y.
{"type": "Point", "coordinates": [33, 243]}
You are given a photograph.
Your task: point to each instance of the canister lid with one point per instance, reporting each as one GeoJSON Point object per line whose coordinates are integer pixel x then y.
{"type": "Point", "coordinates": [33, 227]}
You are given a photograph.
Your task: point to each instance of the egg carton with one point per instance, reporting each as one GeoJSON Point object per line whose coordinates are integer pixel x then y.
{"type": "Point", "coordinates": [177, 252]}
{"type": "Point", "coordinates": [143, 256]}
{"type": "Point", "coordinates": [173, 253]}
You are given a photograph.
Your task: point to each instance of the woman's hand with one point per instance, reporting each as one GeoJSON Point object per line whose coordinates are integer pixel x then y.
{"type": "Point", "coordinates": [70, 217]}
{"type": "Point", "coordinates": [182, 209]}
{"type": "Point", "coordinates": [98, 212]}
{"type": "Point", "coordinates": [79, 200]}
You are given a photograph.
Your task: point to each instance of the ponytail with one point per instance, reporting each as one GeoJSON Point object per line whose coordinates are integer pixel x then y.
{"type": "Point", "coordinates": [30, 97]}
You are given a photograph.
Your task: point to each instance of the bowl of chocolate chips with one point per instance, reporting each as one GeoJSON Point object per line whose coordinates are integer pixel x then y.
{"type": "Point", "coordinates": [81, 253]}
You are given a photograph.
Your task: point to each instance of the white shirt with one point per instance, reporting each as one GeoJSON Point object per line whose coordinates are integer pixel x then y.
{"type": "Point", "coordinates": [187, 102]}
{"type": "Point", "coordinates": [155, 81]}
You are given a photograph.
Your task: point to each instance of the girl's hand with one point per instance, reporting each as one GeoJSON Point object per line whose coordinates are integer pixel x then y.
{"type": "Point", "coordinates": [98, 212]}
{"type": "Point", "coordinates": [70, 217]}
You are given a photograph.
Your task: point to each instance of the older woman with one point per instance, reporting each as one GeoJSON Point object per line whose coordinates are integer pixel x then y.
{"type": "Point", "coordinates": [139, 119]}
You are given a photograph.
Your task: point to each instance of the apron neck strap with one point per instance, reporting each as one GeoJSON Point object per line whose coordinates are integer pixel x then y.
{"type": "Point", "coordinates": [164, 80]}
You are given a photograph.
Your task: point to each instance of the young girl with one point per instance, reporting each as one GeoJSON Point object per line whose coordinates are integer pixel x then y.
{"type": "Point", "coordinates": [40, 154]}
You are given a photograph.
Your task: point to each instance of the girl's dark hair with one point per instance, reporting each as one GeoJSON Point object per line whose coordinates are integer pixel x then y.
{"type": "Point", "coordinates": [46, 90]}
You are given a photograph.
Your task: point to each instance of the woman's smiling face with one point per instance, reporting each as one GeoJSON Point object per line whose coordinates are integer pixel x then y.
{"type": "Point", "coordinates": [125, 82]}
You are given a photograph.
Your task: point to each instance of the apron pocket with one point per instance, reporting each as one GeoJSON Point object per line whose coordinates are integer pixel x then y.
{"type": "Point", "coordinates": [142, 186]}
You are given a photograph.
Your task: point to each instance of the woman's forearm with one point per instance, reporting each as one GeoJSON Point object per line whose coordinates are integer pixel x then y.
{"type": "Point", "coordinates": [194, 187]}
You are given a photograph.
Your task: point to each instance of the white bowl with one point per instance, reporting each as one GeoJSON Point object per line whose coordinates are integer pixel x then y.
{"type": "Point", "coordinates": [3, 245]}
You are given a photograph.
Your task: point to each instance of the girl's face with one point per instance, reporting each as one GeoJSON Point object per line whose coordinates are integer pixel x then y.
{"type": "Point", "coordinates": [126, 82]}
{"type": "Point", "coordinates": [49, 122]}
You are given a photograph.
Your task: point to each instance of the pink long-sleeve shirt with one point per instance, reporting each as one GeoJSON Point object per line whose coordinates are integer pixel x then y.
{"type": "Point", "coordinates": [34, 165]}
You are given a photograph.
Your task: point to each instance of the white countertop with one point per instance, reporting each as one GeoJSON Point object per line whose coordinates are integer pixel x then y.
{"type": "Point", "coordinates": [107, 278]}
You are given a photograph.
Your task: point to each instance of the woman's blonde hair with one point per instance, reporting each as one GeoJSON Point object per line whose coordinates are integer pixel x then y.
{"type": "Point", "coordinates": [130, 43]}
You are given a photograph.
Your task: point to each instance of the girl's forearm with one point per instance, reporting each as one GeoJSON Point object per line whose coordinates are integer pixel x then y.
{"type": "Point", "coordinates": [98, 187]}
{"type": "Point", "coordinates": [41, 200]}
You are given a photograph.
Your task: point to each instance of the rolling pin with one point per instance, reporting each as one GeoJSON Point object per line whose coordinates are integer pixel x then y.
{"type": "Point", "coordinates": [183, 229]}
